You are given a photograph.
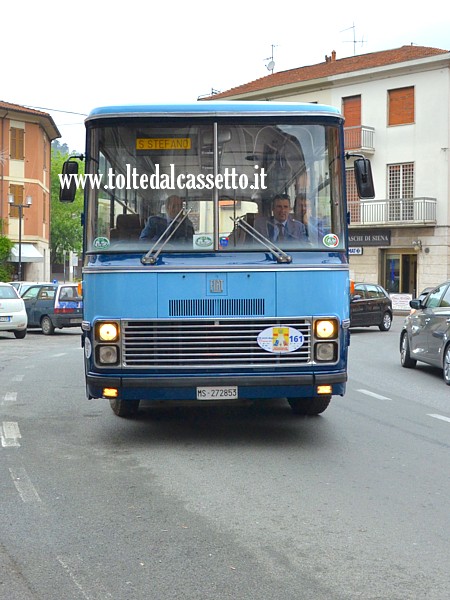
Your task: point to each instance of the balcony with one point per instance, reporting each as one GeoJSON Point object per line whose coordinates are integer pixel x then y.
{"type": "Point", "coordinates": [359, 138]}
{"type": "Point", "coordinates": [399, 212]}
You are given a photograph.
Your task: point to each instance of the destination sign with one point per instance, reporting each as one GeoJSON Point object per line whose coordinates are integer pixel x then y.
{"type": "Point", "coordinates": [163, 144]}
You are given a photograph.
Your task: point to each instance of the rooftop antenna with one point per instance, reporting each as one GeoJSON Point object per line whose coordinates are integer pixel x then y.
{"type": "Point", "coordinates": [271, 64]}
{"type": "Point", "coordinates": [354, 41]}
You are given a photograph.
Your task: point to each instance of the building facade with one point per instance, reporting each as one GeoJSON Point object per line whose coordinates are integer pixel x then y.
{"type": "Point", "coordinates": [396, 106]}
{"type": "Point", "coordinates": [25, 187]}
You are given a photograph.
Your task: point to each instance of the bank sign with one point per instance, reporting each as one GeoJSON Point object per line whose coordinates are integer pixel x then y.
{"type": "Point", "coordinates": [369, 237]}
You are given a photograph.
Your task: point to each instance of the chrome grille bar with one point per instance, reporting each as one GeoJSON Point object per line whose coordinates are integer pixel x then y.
{"type": "Point", "coordinates": [197, 344]}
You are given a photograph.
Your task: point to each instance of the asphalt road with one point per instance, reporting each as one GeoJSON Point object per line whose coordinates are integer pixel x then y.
{"type": "Point", "coordinates": [220, 503]}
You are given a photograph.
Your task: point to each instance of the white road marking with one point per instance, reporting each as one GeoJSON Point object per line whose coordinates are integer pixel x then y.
{"type": "Point", "coordinates": [9, 397]}
{"type": "Point", "coordinates": [378, 396]}
{"type": "Point", "coordinates": [77, 571]}
{"type": "Point", "coordinates": [440, 417]}
{"type": "Point", "coordinates": [18, 377]}
{"type": "Point", "coordinates": [9, 434]}
{"type": "Point", "coordinates": [68, 570]}
{"type": "Point", "coordinates": [58, 355]}
{"type": "Point", "coordinates": [23, 484]}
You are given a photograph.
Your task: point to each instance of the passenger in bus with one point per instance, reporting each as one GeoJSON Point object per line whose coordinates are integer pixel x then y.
{"type": "Point", "coordinates": [315, 228]}
{"type": "Point", "coordinates": [158, 224]}
{"type": "Point", "coordinates": [281, 226]}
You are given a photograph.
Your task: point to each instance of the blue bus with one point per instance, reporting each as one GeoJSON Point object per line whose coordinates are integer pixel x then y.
{"type": "Point", "coordinates": [215, 261]}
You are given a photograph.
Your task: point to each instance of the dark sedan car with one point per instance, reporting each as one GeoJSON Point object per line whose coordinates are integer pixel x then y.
{"type": "Point", "coordinates": [370, 305]}
{"type": "Point", "coordinates": [425, 335]}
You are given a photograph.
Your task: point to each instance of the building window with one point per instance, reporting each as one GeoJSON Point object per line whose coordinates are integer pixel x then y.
{"type": "Point", "coordinates": [401, 192]}
{"type": "Point", "coordinates": [16, 191]}
{"type": "Point", "coordinates": [44, 208]}
{"type": "Point", "coordinates": [353, 200]}
{"type": "Point", "coordinates": [17, 143]}
{"type": "Point", "coordinates": [45, 152]}
{"type": "Point", "coordinates": [351, 109]}
{"type": "Point", "coordinates": [401, 106]}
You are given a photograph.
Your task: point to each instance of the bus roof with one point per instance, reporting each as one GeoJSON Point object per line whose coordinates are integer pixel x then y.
{"type": "Point", "coordinates": [215, 109]}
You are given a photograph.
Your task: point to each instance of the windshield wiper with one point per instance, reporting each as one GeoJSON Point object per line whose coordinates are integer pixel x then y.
{"type": "Point", "coordinates": [279, 254]}
{"type": "Point", "coordinates": [150, 258]}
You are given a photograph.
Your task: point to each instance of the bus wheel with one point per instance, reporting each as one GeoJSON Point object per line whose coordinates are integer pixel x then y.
{"type": "Point", "coordinates": [124, 408]}
{"type": "Point", "coordinates": [309, 406]}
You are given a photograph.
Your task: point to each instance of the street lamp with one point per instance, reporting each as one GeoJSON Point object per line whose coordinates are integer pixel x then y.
{"type": "Point", "coordinates": [29, 202]}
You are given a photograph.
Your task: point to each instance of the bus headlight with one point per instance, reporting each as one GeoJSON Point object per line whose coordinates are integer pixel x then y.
{"type": "Point", "coordinates": [108, 332]}
{"type": "Point", "coordinates": [326, 329]}
{"type": "Point", "coordinates": [107, 355]}
{"type": "Point", "coordinates": [326, 352]}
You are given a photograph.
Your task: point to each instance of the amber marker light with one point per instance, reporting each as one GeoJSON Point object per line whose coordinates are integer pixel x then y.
{"type": "Point", "coordinates": [326, 329]}
{"type": "Point", "coordinates": [110, 392]}
{"type": "Point", "coordinates": [324, 389]}
{"type": "Point", "coordinates": [108, 332]}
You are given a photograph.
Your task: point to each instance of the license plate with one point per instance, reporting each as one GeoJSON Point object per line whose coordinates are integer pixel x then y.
{"type": "Point", "coordinates": [217, 393]}
{"type": "Point", "coordinates": [5, 319]}
{"type": "Point", "coordinates": [76, 321]}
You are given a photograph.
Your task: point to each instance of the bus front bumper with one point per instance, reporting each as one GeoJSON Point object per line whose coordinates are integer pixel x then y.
{"type": "Point", "coordinates": [185, 387]}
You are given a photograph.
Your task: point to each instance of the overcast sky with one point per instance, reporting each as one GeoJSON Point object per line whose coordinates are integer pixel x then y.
{"type": "Point", "coordinates": [75, 56]}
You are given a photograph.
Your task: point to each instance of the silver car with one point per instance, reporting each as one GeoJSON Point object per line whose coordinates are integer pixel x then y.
{"type": "Point", "coordinates": [425, 335]}
{"type": "Point", "coordinates": [13, 316]}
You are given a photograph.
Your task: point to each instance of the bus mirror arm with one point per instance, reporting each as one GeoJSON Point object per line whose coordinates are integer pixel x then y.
{"type": "Point", "coordinates": [279, 254]}
{"type": "Point", "coordinates": [150, 258]}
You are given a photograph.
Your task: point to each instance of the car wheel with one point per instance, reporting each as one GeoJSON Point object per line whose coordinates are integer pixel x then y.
{"type": "Point", "coordinates": [446, 365]}
{"type": "Point", "coordinates": [124, 408]}
{"type": "Point", "coordinates": [47, 326]}
{"type": "Point", "coordinates": [405, 356]}
{"type": "Point", "coordinates": [309, 406]}
{"type": "Point", "coordinates": [20, 334]}
{"type": "Point", "coordinates": [386, 323]}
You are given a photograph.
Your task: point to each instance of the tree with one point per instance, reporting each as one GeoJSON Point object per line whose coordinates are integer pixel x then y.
{"type": "Point", "coordinates": [66, 232]}
{"type": "Point", "coordinates": [5, 250]}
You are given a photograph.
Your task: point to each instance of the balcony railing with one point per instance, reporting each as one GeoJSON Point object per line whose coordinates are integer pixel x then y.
{"type": "Point", "coordinates": [410, 211]}
{"type": "Point", "coordinates": [359, 138]}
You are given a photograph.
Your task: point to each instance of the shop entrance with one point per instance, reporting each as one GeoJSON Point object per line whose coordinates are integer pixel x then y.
{"type": "Point", "coordinates": [400, 273]}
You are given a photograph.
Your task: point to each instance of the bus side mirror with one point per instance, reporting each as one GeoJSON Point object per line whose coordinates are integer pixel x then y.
{"type": "Point", "coordinates": [363, 178]}
{"type": "Point", "coordinates": [68, 186]}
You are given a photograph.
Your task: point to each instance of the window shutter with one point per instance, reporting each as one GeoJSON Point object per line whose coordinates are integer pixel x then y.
{"type": "Point", "coordinates": [401, 106]}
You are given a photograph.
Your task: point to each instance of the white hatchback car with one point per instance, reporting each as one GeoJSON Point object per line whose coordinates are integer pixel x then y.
{"type": "Point", "coordinates": [13, 316]}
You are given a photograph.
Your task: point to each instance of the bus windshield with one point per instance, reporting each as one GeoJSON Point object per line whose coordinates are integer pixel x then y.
{"type": "Point", "coordinates": [215, 185]}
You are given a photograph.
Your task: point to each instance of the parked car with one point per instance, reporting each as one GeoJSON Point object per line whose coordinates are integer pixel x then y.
{"type": "Point", "coordinates": [53, 306]}
{"type": "Point", "coordinates": [22, 286]}
{"type": "Point", "coordinates": [422, 296]}
{"type": "Point", "coordinates": [425, 335]}
{"type": "Point", "coordinates": [13, 316]}
{"type": "Point", "coordinates": [370, 305]}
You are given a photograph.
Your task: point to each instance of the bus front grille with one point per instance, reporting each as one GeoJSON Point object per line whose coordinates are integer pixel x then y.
{"type": "Point", "coordinates": [223, 307]}
{"type": "Point", "coordinates": [215, 343]}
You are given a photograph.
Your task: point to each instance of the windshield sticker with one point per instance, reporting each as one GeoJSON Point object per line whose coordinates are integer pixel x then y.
{"type": "Point", "coordinates": [330, 240]}
{"type": "Point", "coordinates": [203, 241]}
{"type": "Point", "coordinates": [101, 243]}
{"type": "Point", "coordinates": [280, 339]}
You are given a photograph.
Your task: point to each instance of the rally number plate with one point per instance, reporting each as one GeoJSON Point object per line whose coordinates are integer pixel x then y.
{"type": "Point", "coordinates": [217, 393]}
